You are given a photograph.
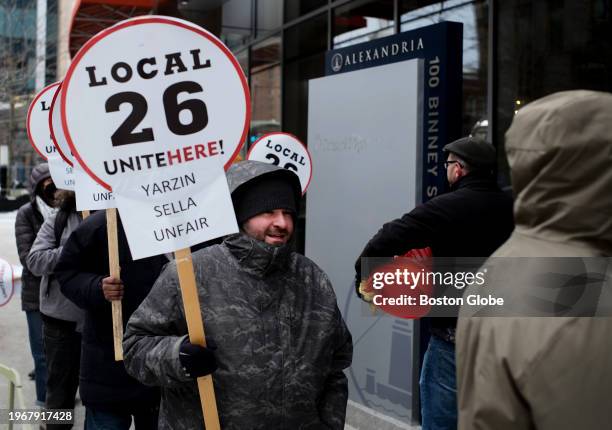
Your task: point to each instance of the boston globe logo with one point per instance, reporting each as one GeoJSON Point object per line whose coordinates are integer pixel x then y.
{"type": "Point", "coordinates": [336, 62]}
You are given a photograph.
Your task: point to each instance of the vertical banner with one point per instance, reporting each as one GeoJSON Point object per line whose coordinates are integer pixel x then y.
{"type": "Point", "coordinates": [364, 136]}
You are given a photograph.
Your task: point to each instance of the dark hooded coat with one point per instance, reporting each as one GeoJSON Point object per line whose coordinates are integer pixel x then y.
{"type": "Point", "coordinates": [104, 383]}
{"type": "Point", "coordinates": [27, 223]}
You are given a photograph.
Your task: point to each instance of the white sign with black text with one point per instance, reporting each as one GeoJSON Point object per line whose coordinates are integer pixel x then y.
{"type": "Point", "coordinates": [61, 173]}
{"type": "Point", "coordinates": [188, 202]}
{"type": "Point", "coordinates": [153, 109]}
{"type": "Point", "coordinates": [37, 122]}
{"type": "Point", "coordinates": [284, 150]}
{"type": "Point", "coordinates": [88, 193]}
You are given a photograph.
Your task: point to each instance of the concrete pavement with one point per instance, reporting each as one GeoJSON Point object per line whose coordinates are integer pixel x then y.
{"type": "Point", "coordinates": [14, 344]}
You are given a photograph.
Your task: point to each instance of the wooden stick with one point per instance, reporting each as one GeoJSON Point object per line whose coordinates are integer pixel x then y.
{"type": "Point", "coordinates": [115, 270]}
{"type": "Point", "coordinates": [85, 214]}
{"type": "Point", "coordinates": [195, 326]}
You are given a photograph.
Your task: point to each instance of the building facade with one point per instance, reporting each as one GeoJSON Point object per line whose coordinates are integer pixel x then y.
{"type": "Point", "coordinates": [28, 62]}
{"type": "Point", "coordinates": [514, 52]}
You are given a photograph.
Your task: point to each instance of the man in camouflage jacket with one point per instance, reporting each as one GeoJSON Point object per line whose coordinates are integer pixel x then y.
{"type": "Point", "coordinates": [281, 341]}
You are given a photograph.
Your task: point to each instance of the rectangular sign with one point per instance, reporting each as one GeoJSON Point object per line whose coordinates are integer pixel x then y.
{"type": "Point", "coordinates": [169, 209]}
{"type": "Point", "coordinates": [61, 172]}
{"type": "Point", "coordinates": [89, 194]}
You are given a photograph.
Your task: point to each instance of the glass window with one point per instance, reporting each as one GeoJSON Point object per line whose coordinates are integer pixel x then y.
{"type": "Point", "coordinates": [296, 8]}
{"type": "Point", "coordinates": [269, 16]}
{"type": "Point", "coordinates": [243, 59]}
{"type": "Point", "coordinates": [362, 21]}
{"type": "Point", "coordinates": [295, 93]}
{"type": "Point", "coordinates": [306, 38]}
{"type": "Point", "coordinates": [295, 111]}
{"type": "Point", "coordinates": [265, 88]}
{"type": "Point", "coordinates": [474, 15]}
{"type": "Point", "coordinates": [236, 29]}
{"type": "Point", "coordinates": [545, 47]}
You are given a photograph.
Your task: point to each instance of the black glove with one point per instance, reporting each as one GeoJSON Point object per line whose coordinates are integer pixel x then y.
{"type": "Point", "coordinates": [198, 360]}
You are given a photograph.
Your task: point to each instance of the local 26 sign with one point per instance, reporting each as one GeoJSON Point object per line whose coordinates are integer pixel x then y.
{"type": "Point", "coordinates": [173, 84]}
{"type": "Point", "coordinates": [153, 109]}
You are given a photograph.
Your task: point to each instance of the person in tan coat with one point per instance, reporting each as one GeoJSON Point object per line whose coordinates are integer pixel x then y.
{"type": "Point", "coordinates": [547, 373]}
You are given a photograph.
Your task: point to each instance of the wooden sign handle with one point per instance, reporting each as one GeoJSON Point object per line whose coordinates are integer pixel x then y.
{"type": "Point", "coordinates": [115, 270]}
{"type": "Point", "coordinates": [195, 326]}
{"type": "Point", "coordinates": [85, 214]}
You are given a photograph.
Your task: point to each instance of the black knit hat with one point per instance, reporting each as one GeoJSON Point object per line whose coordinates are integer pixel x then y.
{"type": "Point", "coordinates": [476, 153]}
{"type": "Point", "coordinates": [263, 194]}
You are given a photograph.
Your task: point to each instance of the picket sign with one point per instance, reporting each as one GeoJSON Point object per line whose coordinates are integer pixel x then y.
{"type": "Point", "coordinates": [153, 109]}
{"type": "Point", "coordinates": [7, 282]}
{"type": "Point", "coordinates": [284, 150]}
{"type": "Point", "coordinates": [84, 188]}
{"type": "Point", "coordinates": [37, 118]}
{"type": "Point", "coordinates": [37, 125]}
{"type": "Point", "coordinates": [89, 194]}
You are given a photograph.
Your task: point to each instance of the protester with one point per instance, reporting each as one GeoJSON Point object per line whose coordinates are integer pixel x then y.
{"type": "Point", "coordinates": [281, 342]}
{"type": "Point", "coordinates": [62, 319]}
{"type": "Point", "coordinates": [110, 395]}
{"type": "Point", "coordinates": [547, 373]}
{"type": "Point", "coordinates": [29, 219]}
{"type": "Point", "coordinates": [470, 221]}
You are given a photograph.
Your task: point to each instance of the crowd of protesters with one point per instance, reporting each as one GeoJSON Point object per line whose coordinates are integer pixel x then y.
{"type": "Point", "coordinates": [277, 345]}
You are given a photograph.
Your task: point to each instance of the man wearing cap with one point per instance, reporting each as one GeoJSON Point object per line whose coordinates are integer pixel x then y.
{"type": "Point", "coordinates": [277, 343]}
{"type": "Point", "coordinates": [472, 220]}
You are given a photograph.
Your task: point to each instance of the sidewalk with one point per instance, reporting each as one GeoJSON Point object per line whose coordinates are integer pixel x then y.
{"type": "Point", "coordinates": [15, 347]}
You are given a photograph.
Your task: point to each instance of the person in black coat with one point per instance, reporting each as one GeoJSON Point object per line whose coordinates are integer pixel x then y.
{"type": "Point", "coordinates": [28, 221]}
{"type": "Point", "coordinates": [110, 395]}
{"type": "Point", "coordinates": [472, 220]}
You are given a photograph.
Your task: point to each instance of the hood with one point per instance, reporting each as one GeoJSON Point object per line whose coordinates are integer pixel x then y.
{"type": "Point", "coordinates": [257, 257]}
{"type": "Point", "coordinates": [559, 150]}
{"type": "Point", "coordinates": [39, 173]}
{"type": "Point", "coordinates": [244, 171]}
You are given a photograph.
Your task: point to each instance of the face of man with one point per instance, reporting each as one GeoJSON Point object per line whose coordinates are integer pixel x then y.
{"type": "Point", "coordinates": [454, 169]}
{"type": "Point", "coordinates": [274, 227]}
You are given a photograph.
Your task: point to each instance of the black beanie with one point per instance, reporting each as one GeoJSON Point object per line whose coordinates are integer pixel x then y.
{"type": "Point", "coordinates": [264, 194]}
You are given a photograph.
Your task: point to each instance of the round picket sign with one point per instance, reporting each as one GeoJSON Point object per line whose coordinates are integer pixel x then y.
{"type": "Point", "coordinates": [150, 92]}
{"type": "Point", "coordinates": [7, 282]}
{"type": "Point", "coordinates": [37, 122]}
{"type": "Point", "coordinates": [55, 127]}
{"type": "Point", "coordinates": [285, 150]}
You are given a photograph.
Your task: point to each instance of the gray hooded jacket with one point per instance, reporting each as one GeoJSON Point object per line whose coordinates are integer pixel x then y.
{"type": "Point", "coordinates": [282, 342]}
{"type": "Point", "coordinates": [42, 260]}
{"type": "Point", "coordinates": [524, 373]}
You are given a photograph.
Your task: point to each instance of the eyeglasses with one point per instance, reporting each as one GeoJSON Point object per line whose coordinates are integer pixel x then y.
{"type": "Point", "coordinates": [447, 163]}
